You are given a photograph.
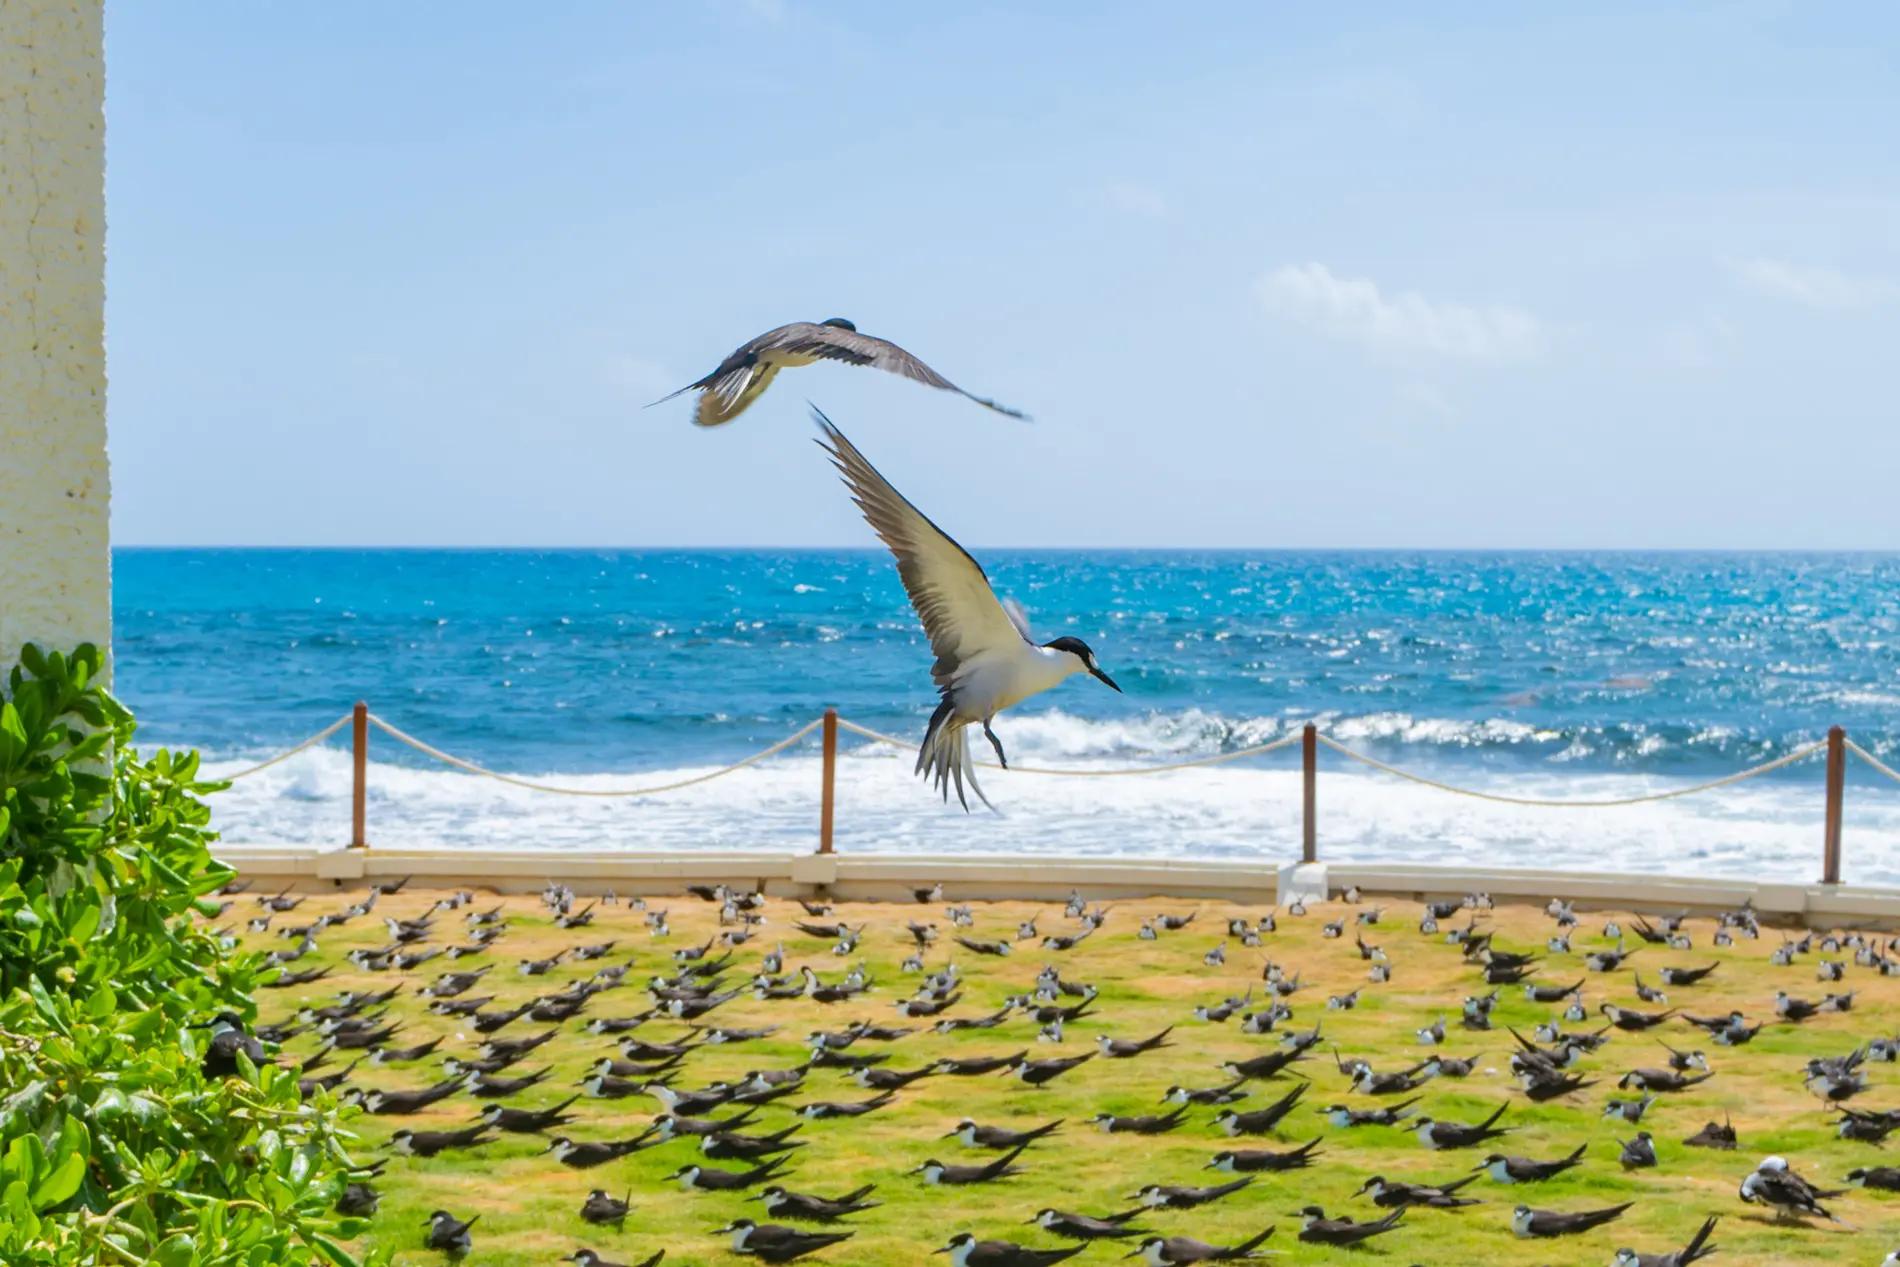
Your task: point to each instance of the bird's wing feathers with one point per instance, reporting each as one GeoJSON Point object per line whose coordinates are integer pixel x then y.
{"type": "Point", "coordinates": [834, 343]}
{"type": "Point", "coordinates": [737, 381]}
{"type": "Point", "coordinates": [750, 368]}
{"type": "Point", "coordinates": [1019, 618]}
{"type": "Point", "coordinates": [729, 391]}
{"type": "Point", "coordinates": [949, 589]}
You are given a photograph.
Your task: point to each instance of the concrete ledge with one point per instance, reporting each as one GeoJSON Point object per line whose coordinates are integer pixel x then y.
{"type": "Point", "coordinates": [893, 877]}
{"type": "Point", "coordinates": [1815, 903]}
{"type": "Point", "coordinates": [510, 871]}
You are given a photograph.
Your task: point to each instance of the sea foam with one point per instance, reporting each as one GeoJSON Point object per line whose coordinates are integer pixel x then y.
{"type": "Point", "coordinates": [1243, 810]}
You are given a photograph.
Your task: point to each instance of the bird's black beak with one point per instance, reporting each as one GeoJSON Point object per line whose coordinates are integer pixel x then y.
{"type": "Point", "coordinates": [1104, 679]}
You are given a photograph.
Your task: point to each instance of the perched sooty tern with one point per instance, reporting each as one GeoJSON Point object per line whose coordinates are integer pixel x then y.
{"type": "Point", "coordinates": [1696, 1250]}
{"type": "Point", "coordinates": [228, 1039]}
{"type": "Point", "coordinates": [588, 1258]}
{"type": "Point", "coordinates": [1526, 1170]}
{"type": "Point", "coordinates": [1178, 1251]}
{"type": "Point", "coordinates": [1713, 1135]}
{"type": "Point", "coordinates": [1773, 1184]}
{"type": "Point", "coordinates": [966, 1251]}
{"type": "Point", "coordinates": [986, 659]}
{"type": "Point", "coordinates": [1085, 1227]}
{"type": "Point", "coordinates": [448, 1233]}
{"type": "Point", "coordinates": [603, 1208]}
{"type": "Point", "coordinates": [807, 1207]}
{"type": "Point", "coordinates": [1527, 1222]}
{"type": "Point", "coordinates": [742, 377]}
{"type": "Point", "coordinates": [776, 1243]}
{"type": "Point", "coordinates": [1317, 1229]}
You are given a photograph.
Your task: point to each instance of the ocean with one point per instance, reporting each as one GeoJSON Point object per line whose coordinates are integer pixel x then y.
{"type": "Point", "coordinates": [1542, 674]}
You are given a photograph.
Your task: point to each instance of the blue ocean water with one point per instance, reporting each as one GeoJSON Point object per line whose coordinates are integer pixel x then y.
{"type": "Point", "coordinates": [1570, 673]}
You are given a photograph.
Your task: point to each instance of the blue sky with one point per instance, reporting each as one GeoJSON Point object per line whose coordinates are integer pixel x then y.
{"type": "Point", "coordinates": [1451, 275]}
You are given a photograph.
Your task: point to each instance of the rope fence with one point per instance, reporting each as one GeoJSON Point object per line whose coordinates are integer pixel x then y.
{"type": "Point", "coordinates": [290, 752]}
{"type": "Point", "coordinates": [471, 768]}
{"type": "Point", "coordinates": [1836, 746]}
{"type": "Point", "coordinates": [1740, 776]}
{"type": "Point", "coordinates": [1873, 761]}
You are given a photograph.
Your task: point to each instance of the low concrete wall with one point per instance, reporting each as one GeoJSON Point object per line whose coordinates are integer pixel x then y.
{"type": "Point", "coordinates": [892, 877]}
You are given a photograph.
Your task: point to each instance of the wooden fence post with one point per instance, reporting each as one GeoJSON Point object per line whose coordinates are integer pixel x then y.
{"type": "Point", "coordinates": [1309, 804]}
{"type": "Point", "coordinates": [359, 781]}
{"type": "Point", "coordinates": [827, 798]}
{"type": "Point", "coordinates": [1836, 791]}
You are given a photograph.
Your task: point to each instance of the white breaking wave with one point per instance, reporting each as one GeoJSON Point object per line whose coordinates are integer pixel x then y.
{"type": "Point", "coordinates": [1053, 735]}
{"type": "Point", "coordinates": [1438, 730]}
{"type": "Point", "coordinates": [1245, 810]}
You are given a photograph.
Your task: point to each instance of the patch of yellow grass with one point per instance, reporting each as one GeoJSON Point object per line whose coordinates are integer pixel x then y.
{"type": "Point", "coordinates": [528, 1203]}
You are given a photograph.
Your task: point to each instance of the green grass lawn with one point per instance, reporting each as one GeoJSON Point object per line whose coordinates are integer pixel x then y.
{"type": "Point", "coordinates": [528, 1203]}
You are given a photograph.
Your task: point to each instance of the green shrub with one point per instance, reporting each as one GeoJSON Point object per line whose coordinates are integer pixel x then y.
{"type": "Point", "coordinates": [114, 1148]}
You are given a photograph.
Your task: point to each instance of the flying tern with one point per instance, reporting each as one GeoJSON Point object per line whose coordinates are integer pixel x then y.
{"type": "Point", "coordinates": [987, 660]}
{"type": "Point", "coordinates": [743, 376]}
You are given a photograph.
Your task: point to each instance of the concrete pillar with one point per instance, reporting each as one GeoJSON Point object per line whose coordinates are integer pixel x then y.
{"type": "Point", "coordinates": [55, 565]}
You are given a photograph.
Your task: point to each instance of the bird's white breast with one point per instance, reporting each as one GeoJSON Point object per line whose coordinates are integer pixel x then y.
{"type": "Point", "coordinates": [991, 683]}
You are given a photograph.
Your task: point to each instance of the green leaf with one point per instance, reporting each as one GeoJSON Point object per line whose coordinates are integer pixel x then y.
{"type": "Point", "coordinates": [84, 923]}
{"type": "Point", "coordinates": [58, 1186]}
{"type": "Point", "coordinates": [21, 1105]}
{"type": "Point", "coordinates": [332, 1251]}
{"type": "Point", "coordinates": [17, 1206]}
{"type": "Point", "coordinates": [178, 1250]}
{"type": "Point", "coordinates": [101, 1002]}
{"type": "Point", "coordinates": [12, 731]}
{"type": "Point", "coordinates": [44, 1002]}
{"type": "Point", "coordinates": [111, 1105]}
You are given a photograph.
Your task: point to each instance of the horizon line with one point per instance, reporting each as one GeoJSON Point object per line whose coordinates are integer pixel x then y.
{"type": "Point", "coordinates": [446, 547]}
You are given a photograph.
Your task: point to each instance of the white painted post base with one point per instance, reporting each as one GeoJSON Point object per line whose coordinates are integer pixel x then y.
{"type": "Point", "coordinates": [820, 870]}
{"type": "Point", "coordinates": [1303, 880]}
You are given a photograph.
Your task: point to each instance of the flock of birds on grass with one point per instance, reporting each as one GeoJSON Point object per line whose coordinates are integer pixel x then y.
{"type": "Point", "coordinates": [727, 1149]}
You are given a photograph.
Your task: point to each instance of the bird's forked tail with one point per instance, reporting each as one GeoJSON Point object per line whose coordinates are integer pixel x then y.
{"type": "Point", "coordinates": [944, 757]}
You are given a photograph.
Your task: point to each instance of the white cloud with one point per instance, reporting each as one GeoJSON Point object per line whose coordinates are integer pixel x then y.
{"type": "Point", "coordinates": [1140, 200]}
{"type": "Point", "coordinates": [1405, 324]}
{"type": "Point", "coordinates": [1816, 286]}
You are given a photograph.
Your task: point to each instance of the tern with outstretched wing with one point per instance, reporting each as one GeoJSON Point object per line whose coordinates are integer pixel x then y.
{"type": "Point", "coordinates": [742, 377]}
{"type": "Point", "coordinates": [987, 660]}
